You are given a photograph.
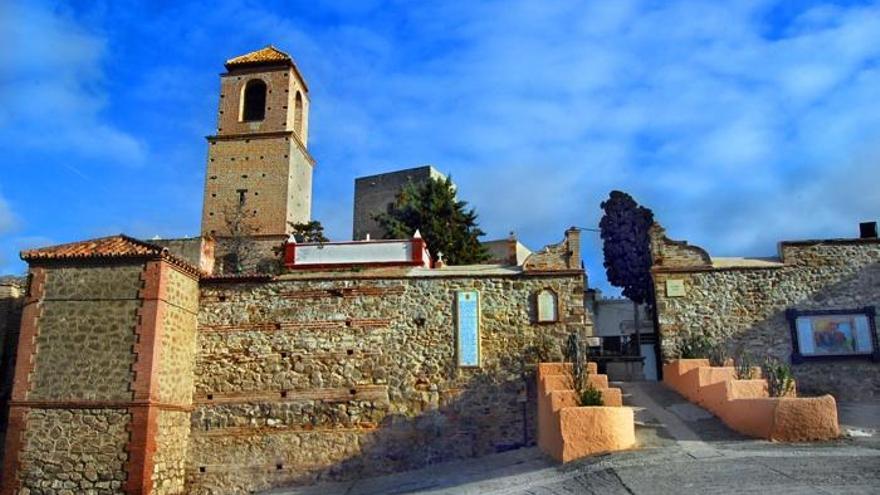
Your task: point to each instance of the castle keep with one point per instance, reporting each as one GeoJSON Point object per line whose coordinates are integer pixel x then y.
{"type": "Point", "coordinates": [376, 193]}
{"type": "Point", "coordinates": [141, 369]}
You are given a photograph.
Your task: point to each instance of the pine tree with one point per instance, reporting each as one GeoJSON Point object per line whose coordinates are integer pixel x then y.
{"type": "Point", "coordinates": [446, 224]}
{"type": "Point", "coordinates": [308, 231]}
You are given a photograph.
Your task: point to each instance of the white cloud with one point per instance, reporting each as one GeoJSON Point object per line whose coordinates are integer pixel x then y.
{"type": "Point", "coordinates": [52, 91]}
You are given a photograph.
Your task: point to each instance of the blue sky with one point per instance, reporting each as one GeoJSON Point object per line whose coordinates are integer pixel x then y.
{"type": "Point", "coordinates": [738, 123]}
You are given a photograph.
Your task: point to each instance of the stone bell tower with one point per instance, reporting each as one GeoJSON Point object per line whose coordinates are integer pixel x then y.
{"type": "Point", "coordinates": [259, 166]}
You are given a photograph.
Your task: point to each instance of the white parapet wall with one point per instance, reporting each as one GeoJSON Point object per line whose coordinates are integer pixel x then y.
{"type": "Point", "coordinates": [329, 255]}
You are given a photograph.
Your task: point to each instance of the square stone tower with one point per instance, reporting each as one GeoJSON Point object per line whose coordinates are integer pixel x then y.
{"type": "Point", "coordinates": [375, 193]}
{"type": "Point", "coordinates": [258, 164]}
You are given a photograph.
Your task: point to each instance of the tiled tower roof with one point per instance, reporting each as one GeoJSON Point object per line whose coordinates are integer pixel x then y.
{"type": "Point", "coordinates": [267, 55]}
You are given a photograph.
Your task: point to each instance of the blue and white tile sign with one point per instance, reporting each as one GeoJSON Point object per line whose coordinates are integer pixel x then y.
{"type": "Point", "coordinates": [468, 318]}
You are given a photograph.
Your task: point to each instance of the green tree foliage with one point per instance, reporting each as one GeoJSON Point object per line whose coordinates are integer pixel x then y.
{"type": "Point", "coordinates": [444, 222]}
{"type": "Point", "coordinates": [627, 247]}
{"type": "Point", "coordinates": [309, 231]}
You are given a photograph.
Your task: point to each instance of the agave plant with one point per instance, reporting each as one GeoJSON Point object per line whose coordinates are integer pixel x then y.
{"type": "Point", "coordinates": [745, 366]}
{"type": "Point", "coordinates": [587, 394]}
{"type": "Point", "coordinates": [780, 380]}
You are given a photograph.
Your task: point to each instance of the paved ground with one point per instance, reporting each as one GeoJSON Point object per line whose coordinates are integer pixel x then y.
{"type": "Point", "coordinates": [684, 449]}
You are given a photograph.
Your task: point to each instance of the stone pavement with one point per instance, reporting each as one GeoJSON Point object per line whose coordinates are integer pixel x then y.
{"type": "Point", "coordinates": [683, 449]}
{"type": "Point", "coordinates": [860, 419]}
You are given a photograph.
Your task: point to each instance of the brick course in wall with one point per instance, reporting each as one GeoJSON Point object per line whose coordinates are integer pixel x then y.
{"type": "Point", "coordinates": [741, 303]}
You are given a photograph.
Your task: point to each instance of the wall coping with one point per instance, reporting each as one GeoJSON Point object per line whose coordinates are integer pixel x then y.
{"type": "Point", "coordinates": [365, 275]}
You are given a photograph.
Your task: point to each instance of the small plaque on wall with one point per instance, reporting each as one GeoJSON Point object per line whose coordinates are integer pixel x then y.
{"type": "Point", "coordinates": [675, 288]}
{"type": "Point", "coordinates": [467, 315]}
{"type": "Point", "coordinates": [548, 310]}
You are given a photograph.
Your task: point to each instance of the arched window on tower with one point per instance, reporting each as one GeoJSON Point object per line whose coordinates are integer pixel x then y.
{"type": "Point", "coordinates": [298, 115]}
{"type": "Point", "coordinates": [253, 101]}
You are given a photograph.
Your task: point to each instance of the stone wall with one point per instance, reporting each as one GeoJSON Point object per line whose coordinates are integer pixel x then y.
{"type": "Point", "coordinates": [178, 339]}
{"type": "Point", "coordinates": [197, 251]}
{"type": "Point", "coordinates": [174, 375]}
{"type": "Point", "coordinates": [668, 253]}
{"type": "Point", "coordinates": [11, 299]}
{"type": "Point", "coordinates": [172, 441]}
{"type": "Point", "coordinates": [307, 378]}
{"type": "Point", "coordinates": [263, 255]}
{"type": "Point", "coordinates": [741, 303]}
{"type": "Point", "coordinates": [68, 430]}
{"type": "Point", "coordinates": [563, 256]}
{"type": "Point", "coordinates": [75, 451]}
{"type": "Point", "coordinates": [104, 380]}
{"type": "Point", "coordinates": [86, 334]}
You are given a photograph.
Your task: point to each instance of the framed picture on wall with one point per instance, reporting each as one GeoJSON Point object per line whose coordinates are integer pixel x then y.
{"type": "Point", "coordinates": [833, 334]}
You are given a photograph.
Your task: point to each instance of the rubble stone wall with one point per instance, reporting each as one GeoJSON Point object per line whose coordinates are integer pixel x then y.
{"type": "Point", "coordinates": [84, 319]}
{"type": "Point", "coordinates": [86, 333]}
{"type": "Point", "coordinates": [744, 308]}
{"type": "Point", "coordinates": [178, 334]}
{"type": "Point", "coordinates": [75, 451]}
{"type": "Point", "coordinates": [305, 379]}
{"type": "Point", "coordinates": [172, 440]}
{"type": "Point", "coordinates": [177, 347]}
{"type": "Point", "coordinates": [11, 299]}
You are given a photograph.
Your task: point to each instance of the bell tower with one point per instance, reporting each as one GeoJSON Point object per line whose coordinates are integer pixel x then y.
{"type": "Point", "coordinates": [259, 166]}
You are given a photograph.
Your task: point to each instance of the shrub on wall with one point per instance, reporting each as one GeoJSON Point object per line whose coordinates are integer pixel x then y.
{"type": "Point", "coordinates": [591, 397]}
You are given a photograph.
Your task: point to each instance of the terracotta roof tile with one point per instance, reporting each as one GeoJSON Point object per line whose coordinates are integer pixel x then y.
{"type": "Point", "coordinates": [117, 246]}
{"type": "Point", "coordinates": [113, 246]}
{"type": "Point", "coordinates": [270, 56]}
{"type": "Point", "coordinates": [267, 54]}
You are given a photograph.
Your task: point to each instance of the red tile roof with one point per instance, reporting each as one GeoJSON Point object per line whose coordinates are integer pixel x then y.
{"type": "Point", "coordinates": [113, 247]}
{"type": "Point", "coordinates": [269, 54]}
